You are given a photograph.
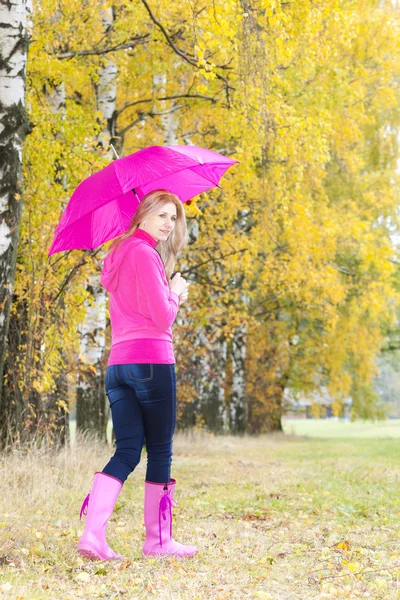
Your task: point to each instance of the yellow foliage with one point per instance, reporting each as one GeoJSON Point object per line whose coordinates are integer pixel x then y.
{"type": "Point", "coordinates": [294, 243]}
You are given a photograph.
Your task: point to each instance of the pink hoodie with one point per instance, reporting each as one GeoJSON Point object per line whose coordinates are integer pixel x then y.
{"type": "Point", "coordinates": [142, 307]}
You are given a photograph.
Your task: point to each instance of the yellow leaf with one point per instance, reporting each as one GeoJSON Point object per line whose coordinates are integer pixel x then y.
{"type": "Point", "coordinates": [125, 565]}
{"type": "Point", "coordinates": [345, 545]}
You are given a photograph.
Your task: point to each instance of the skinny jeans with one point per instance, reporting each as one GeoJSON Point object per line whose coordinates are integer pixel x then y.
{"type": "Point", "coordinates": [143, 408]}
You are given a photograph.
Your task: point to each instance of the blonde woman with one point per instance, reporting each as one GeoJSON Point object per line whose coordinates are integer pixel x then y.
{"type": "Point", "coordinates": [140, 376]}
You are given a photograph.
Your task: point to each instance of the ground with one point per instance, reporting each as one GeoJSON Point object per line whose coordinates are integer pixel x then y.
{"type": "Point", "coordinates": [274, 517]}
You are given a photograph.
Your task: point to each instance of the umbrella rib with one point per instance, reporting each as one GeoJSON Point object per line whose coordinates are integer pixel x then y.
{"type": "Point", "coordinates": [184, 169]}
{"type": "Point", "coordinates": [206, 178]}
{"type": "Point", "coordinates": [120, 216]}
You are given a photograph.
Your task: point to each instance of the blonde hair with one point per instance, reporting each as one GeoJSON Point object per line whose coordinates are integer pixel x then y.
{"type": "Point", "coordinates": [177, 240]}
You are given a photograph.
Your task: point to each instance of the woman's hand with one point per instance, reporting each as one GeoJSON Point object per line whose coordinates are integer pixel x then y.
{"type": "Point", "coordinates": [184, 296]}
{"type": "Point", "coordinates": [178, 284]}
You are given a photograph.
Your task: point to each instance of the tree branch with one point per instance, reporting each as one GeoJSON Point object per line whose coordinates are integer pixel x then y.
{"type": "Point", "coordinates": [206, 262]}
{"type": "Point", "coordinates": [92, 253]}
{"type": "Point", "coordinates": [188, 59]}
{"type": "Point", "coordinates": [191, 60]}
{"type": "Point", "coordinates": [143, 115]}
{"type": "Point", "coordinates": [131, 44]}
{"type": "Point", "coordinates": [176, 97]}
{"type": "Point", "coordinates": [392, 346]}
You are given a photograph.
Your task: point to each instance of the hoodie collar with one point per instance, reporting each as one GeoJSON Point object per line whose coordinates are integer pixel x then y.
{"type": "Point", "coordinates": [146, 237]}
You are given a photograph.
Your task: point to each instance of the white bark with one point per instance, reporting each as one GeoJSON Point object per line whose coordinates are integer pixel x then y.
{"type": "Point", "coordinates": [13, 50]}
{"type": "Point", "coordinates": [204, 368]}
{"type": "Point", "coordinates": [237, 405]}
{"type": "Point", "coordinates": [168, 117]}
{"type": "Point", "coordinates": [14, 125]}
{"type": "Point", "coordinates": [91, 399]}
{"type": "Point", "coordinates": [210, 382]}
{"type": "Point", "coordinates": [57, 98]}
{"type": "Point", "coordinates": [13, 55]}
{"type": "Point", "coordinates": [223, 415]}
{"type": "Point", "coordinates": [92, 330]}
{"type": "Point", "coordinates": [106, 90]}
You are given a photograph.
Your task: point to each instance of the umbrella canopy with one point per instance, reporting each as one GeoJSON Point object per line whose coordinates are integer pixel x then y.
{"type": "Point", "coordinates": [102, 206]}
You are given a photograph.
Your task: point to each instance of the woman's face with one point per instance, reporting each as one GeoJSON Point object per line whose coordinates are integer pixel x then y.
{"type": "Point", "coordinates": [161, 223]}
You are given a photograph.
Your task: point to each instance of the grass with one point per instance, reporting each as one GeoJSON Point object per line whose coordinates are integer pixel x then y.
{"type": "Point", "coordinates": [274, 517]}
{"type": "Point", "coordinates": [329, 428]}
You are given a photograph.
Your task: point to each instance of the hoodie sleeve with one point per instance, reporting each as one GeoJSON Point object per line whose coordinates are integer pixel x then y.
{"type": "Point", "coordinates": [163, 306]}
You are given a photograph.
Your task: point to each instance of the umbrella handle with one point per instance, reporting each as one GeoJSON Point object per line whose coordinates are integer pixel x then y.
{"type": "Point", "coordinates": [134, 191]}
{"type": "Point", "coordinates": [115, 152]}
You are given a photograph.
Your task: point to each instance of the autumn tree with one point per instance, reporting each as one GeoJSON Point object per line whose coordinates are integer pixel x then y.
{"type": "Point", "coordinates": [14, 127]}
{"type": "Point", "coordinates": [291, 259]}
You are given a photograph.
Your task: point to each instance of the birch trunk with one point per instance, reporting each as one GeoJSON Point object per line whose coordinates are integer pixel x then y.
{"type": "Point", "coordinates": [237, 403]}
{"type": "Point", "coordinates": [91, 407]}
{"type": "Point", "coordinates": [57, 402]}
{"type": "Point", "coordinates": [92, 410]}
{"type": "Point", "coordinates": [14, 126]}
{"type": "Point", "coordinates": [238, 409]}
{"type": "Point", "coordinates": [36, 415]}
{"type": "Point", "coordinates": [168, 117]}
{"type": "Point", "coordinates": [222, 409]}
{"type": "Point", "coordinates": [58, 409]}
{"type": "Point", "coordinates": [106, 89]}
{"type": "Point", "coordinates": [209, 408]}
{"type": "Point", "coordinates": [213, 403]}
{"type": "Point", "coordinates": [210, 373]}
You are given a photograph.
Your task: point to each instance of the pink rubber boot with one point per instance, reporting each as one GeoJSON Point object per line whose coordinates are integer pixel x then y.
{"type": "Point", "coordinates": [158, 502]}
{"type": "Point", "coordinates": [103, 497]}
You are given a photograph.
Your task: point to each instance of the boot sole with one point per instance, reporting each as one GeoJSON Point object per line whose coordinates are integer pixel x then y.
{"type": "Point", "coordinates": [92, 554]}
{"type": "Point", "coordinates": [169, 554]}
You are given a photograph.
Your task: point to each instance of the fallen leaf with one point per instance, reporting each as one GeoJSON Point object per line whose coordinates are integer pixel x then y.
{"type": "Point", "coordinates": [345, 545]}
{"type": "Point", "coordinates": [126, 564]}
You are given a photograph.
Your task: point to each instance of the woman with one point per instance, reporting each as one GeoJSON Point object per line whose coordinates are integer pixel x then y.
{"type": "Point", "coordinates": [140, 376]}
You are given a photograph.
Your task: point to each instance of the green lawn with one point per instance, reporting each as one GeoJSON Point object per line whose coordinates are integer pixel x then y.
{"type": "Point", "coordinates": [276, 517]}
{"type": "Point", "coordinates": [330, 428]}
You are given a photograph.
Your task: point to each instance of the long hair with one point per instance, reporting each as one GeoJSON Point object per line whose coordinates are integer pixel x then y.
{"type": "Point", "coordinates": [178, 238]}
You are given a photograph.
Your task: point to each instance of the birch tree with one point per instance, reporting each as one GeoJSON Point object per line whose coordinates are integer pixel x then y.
{"type": "Point", "coordinates": [14, 126]}
{"type": "Point", "coordinates": [92, 410]}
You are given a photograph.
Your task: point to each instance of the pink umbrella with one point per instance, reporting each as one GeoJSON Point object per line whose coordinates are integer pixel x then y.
{"type": "Point", "coordinates": [102, 206]}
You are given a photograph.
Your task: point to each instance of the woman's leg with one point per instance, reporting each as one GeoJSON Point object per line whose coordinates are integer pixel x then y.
{"type": "Point", "coordinates": [157, 401]}
{"type": "Point", "coordinates": [127, 422]}
{"type": "Point", "coordinates": [99, 505]}
{"type": "Point", "coordinates": [158, 405]}
{"type": "Point", "coordinates": [129, 432]}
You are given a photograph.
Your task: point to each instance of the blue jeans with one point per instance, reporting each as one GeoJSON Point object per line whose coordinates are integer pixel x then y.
{"type": "Point", "coordinates": [143, 408]}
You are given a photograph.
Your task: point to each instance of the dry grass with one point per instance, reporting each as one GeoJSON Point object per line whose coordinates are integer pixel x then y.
{"type": "Point", "coordinates": [274, 518]}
